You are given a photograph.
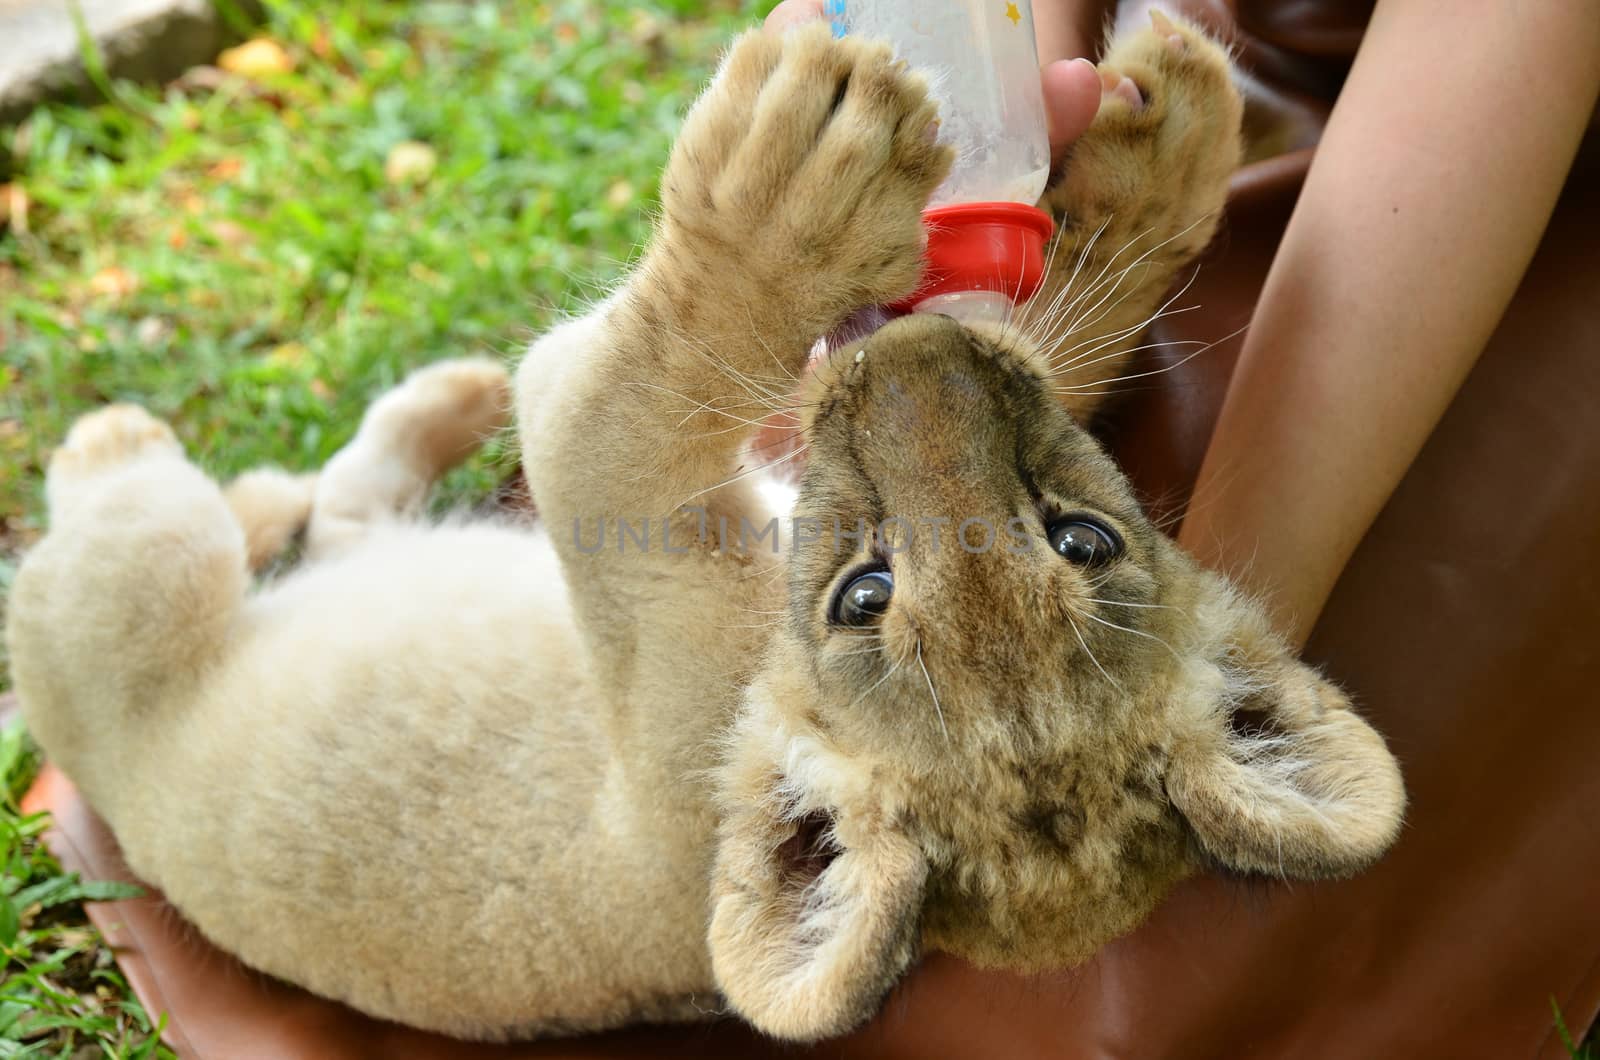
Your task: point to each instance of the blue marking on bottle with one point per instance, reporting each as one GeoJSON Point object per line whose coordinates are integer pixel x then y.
{"type": "Point", "coordinates": [834, 9]}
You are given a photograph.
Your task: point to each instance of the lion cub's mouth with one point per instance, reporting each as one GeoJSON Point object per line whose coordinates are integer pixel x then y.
{"type": "Point", "coordinates": [806, 855]}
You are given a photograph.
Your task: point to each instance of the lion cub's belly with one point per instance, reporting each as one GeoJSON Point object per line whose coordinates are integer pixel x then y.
{"type": "Point", "coordinates": [395, 793]}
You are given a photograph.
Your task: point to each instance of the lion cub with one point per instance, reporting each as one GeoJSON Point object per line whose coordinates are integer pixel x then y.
{"type": "Point", "coordinates": [639, 757]}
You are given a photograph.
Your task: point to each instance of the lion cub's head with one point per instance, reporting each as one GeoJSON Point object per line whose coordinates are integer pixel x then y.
{"type": "Point", "coordinates": [1004, 719]}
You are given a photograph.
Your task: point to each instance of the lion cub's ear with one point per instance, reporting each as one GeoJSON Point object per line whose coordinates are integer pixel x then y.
{"type": "Point", "coordinates": [1274, 771]}
{"type": "Point", "coordinates": [814, 918]}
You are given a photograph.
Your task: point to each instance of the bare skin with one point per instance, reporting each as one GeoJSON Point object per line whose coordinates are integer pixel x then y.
{"type": "Point", "coordinates": [1329, 407]}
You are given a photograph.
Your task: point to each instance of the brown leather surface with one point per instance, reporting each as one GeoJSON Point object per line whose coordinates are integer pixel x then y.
{"type": "Point", "coordinates": [1466, 625]}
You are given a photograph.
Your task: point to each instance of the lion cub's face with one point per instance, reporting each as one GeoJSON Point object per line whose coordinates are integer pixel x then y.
{"type": "Point", "coordinates": [1005, 739]}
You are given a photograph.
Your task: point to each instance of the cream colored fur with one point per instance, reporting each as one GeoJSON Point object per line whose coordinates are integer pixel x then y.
{"type": "Point", "coordinates": [480, 778]}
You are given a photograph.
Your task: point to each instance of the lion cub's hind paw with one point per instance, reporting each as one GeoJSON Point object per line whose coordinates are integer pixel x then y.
{"type": "Point", "coordinates": [103, 441]}
{"type": "Point", "coordinates": [450, 409]}
{"type": "Point", "coordinates": [410, 437]}
{"type": "Point", "coordinates": [110, 437]}
{"type": "Point", "coordinates": [442, 413]}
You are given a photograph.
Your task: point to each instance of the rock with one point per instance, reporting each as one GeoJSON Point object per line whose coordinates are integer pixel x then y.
{"type": "Point", "coordinates": [144, 40]}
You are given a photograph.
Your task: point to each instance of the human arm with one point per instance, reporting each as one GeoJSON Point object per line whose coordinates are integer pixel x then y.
{"type": "Point", "coordinates": [1428, 195]}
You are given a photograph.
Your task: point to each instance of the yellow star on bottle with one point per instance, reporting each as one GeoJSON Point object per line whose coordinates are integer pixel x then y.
{"type": "Point", "coordinates": [1013, 14]}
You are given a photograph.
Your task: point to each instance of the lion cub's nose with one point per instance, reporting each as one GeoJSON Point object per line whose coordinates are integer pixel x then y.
{"type": "Point", "coordinates": [932, 428]}
{"type": "Point", "coordinates": [922, 381]}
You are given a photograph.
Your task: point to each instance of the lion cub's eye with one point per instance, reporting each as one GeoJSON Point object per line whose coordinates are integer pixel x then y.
{"type": "Point", "coordinates": [863, 598]}
{"type": "Point", "coordinates": [1084, 540]}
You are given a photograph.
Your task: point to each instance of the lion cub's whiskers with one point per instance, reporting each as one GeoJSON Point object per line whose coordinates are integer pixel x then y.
{"type": "Point", "coordinates": [1099, 278]}
{"type": "Point", "coordinates": [701, 406]}
{"type": "Point", "coordinates": [1129, 352]}
{"type": "Point", "coordinates": [1099, 281]}
{"type": "Point", "coordinates": [932, 692]}
{"type": "Point", "coordinates": [1076, 632]}
{"type": "Point", "coordinates": [1038, 326]}
{"type": "Point", "coordinates": [871, 649]}
{"type": "Point", "coordinates": [1023, 314]}
{"type": "Point", "coordinates": [770, 392]}
{"type": "Point", "coordinates": [746, 473]}
{"type": "Point", "coordinates": [1087, 306]}
{"type": "Point", "coordinates": [1078, 321]}
{"type": "Point", "coordinates": [1061, 361]}
{"type": "Point", "coordinates": [1080, 388]}
{"type": "Point", "coordinates": [893, 669]}
{"type": "Point", "coordinates": [756, 333]}
{"type": "Point", "coordinates": [1126, 603]}
{"type": "Point", "coordinates": [775, 619]}
{"type": "Point", "coordinates": [1136, 632]}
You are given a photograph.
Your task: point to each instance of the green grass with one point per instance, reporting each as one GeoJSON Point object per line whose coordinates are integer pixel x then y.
{"type": "Point", "coordinates": [1589, 1049]}
{"type": "Point", "coordinates": [61, 991]}
{"type": "Point", "coordinates": [234, 257]}
{"type": "Point", "coordinates": [231, 253]}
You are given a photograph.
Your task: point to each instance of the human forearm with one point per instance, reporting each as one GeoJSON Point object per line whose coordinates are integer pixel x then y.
{"type": "Point", "coordinates": [1426, 200]}
{"type": "Point", "coordinates": [1066, 29]}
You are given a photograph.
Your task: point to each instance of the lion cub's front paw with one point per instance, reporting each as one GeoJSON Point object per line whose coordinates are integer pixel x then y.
{"type": "Point", "coordinates": [1167, 78]}
{"type": "Point", "coordinates": [1167, 137]}
{"type": "Point", "coordinates": [803, 171]}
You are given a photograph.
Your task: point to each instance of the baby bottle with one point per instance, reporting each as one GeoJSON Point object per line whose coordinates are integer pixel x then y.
{"type": "Point", "coordinates": [985, 237]}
